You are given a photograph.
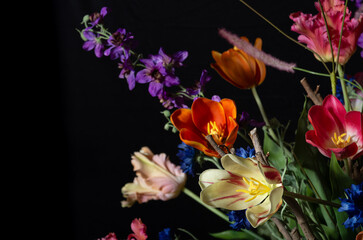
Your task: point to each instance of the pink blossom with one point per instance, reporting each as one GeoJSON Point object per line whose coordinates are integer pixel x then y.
{"type": "Point", "coordinates": [313, 33]}
{"type": "Point", "coordinates": [110, 236]}
{"type": "Point", "coordinates": [139, 230]}
{"type": "Point", "coordinates": [156, 179]}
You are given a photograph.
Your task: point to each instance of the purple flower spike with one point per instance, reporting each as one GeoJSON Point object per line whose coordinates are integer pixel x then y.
{"type": "Point", "coordinates": [93, 43]}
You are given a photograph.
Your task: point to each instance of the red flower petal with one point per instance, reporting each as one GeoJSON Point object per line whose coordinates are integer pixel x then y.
{"type": "Point", "coordinates": [337, 111]}
{"type": "Point", "coordinates": [346, 152]}
{"type": "Point", "coordinates": [204, 111]}
{"type": "Point", "coordinates": [324, 125]}
{"type": "Point", "coordinates": [353, 126]}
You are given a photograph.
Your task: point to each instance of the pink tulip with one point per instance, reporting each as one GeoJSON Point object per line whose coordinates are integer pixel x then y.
{"type": "Point", "coordinates": [335, 130]}
{"type": "Point", "coordinates": [139, 230]}
{"type": "Point", "coordinates": [156, 179]}
{"type": "Point", "coordinates": [314, 34]}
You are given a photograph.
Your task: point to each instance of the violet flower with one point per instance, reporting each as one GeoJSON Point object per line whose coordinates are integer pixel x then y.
{"type": "Point", "coordinates": [244, 120]}
{"type": "Point", "coordinates": [159, 71]}
{"type": "Point", "coordinates": [119, 42]}
{"type": "Point", "coordinates": [199, 86]}
{"type": "Point", "coordinates": [97, 17]}
{"type": "Point", "coordinates": [93, 42]}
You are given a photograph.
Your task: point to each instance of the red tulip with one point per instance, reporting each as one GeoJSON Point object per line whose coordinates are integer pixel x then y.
{"type": "Point", "coordinates": [335, 130]}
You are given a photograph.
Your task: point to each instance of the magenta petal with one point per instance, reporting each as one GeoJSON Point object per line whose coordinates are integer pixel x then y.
{"type": "Point", "coordinates": [353, 125]}
{"type": "Point", "coordinates": [312, 139]}
{"type": "Point", "coordinates": [347, 152]}
{"type": "Point", "coordinates": [324, 125]}
{"type": "Point", "coordinates": [336, 109]}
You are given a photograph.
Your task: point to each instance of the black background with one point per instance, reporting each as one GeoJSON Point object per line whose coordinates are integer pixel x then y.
{"type": "Point", "coordinates": [99, 123]}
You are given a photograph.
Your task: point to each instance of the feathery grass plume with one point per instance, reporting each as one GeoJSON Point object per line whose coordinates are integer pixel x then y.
{"type": "Point", "coordinates": [260, 55]}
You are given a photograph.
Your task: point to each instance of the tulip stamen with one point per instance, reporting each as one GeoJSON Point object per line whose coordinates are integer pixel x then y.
{"type": "Point", "coordinates": [255, 188]}
{"type": "Point", "coordinates": [216, 132]}
{"type": "Point", "coordinates": [341, 141]}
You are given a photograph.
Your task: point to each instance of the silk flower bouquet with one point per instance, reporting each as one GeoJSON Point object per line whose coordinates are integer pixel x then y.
{"type": "Point", "coordinates": [307, 189]}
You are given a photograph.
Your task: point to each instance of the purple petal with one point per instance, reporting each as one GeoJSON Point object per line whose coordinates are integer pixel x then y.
{"type": "Point", "coordinates": [142, 77]}
{"type": "Point", "coordinates": [99, 50]}
{"type": "Point", "coordinates": [171, 81]}
{"type": "Point", "coordinates": [131, 80]}
{"type": "Point", "coordinates": [89, 45]}
{"type": "Point", "coordinates": [155, 88]}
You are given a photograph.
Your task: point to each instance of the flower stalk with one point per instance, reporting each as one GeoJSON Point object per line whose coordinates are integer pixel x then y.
{"type": "Point", "coordinates": [311, 199]}
{"type": "Point", "coordinates": [347, 105]}
{"type": "Point", "coordinates": [218, 212]}
{"type": "Point", "coordinates": [263, 113]}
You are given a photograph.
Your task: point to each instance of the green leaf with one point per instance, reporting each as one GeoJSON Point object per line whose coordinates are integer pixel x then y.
{"type": "Point", "coordinates": [339, 180]}
{"type": "Point", "coordinates": [276, 158]}
{"type": "Point", "coordinates": [341, 217]}
{"type": "Point", "coordinates": [231, 234]}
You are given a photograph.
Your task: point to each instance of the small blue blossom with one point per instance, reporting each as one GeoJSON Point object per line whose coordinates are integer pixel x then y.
{"type": "Point", "coordinates": [165, 234]}
{"type": "Point", "coordinates": [248, 153]}
{"type": "Point", "coordinates": [186, 155]}
{"type": "Point", "coordinates": [353, 205]}
{"type": "Point", "coordinates": [239, 220]}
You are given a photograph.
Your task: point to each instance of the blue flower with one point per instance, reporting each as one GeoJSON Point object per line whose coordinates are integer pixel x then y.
{"type": "Point", "coordinates": [239, 220]}
{"type": "Point", "coordinates": [186, 155]}
{"type": "Point", "coordinates": [165, 234]}
{"type": "Point", "coordinates": [248, 153]}
{"type": "Point", "coordinates": [353, 205]}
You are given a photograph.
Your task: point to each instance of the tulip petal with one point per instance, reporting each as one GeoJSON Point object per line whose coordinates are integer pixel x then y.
{"type": "Point", "coordinates": [204, 111]}
{"type": "Point", "coordinates": [238, 67]}
{"type": "Point", "coordinates": [211, 176]}
{"type": "Point", "coordinates": [271, 174]}
{"type": "Point", "coordinates": [354, 126]}
{"type": "Point", "coordinates": [241, 166]}
{"type": "Point", "coordinates": [197, 141]}
{"type": "Point", "coordinates": [225, 194]}
{"type": "Point", "coordinates": [324, 124]}
{"type": "Point", "coordinates": [232, 129]}
{"type": "Point", "coordinates": [346, 152]}
{"type": "Point", "coordinates": [182, 118]}
{"type": "Point", "coordinates": [229, 107]}
{"type": "Point", "coordinates": [259, 214]}
{"type": "Point", "coordinates": [336, 110]}
{"type": "Point", "coordinates": [312, 139]}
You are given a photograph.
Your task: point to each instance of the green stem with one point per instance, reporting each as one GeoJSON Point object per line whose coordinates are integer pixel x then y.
{"type": "Point", "coordinates": [218, 213]}
{"type": "Point", "coordinates": [311, 199]}
{"type": "Point", "coordinates": [347, 105]}
{"type": "Point", "coordinates": [244, 137]}
{"type": "Point", "coordinates": [311, 72]}
{"type": "Point", "coordinates": [263, 113]}
{"type": "Point", "coordinates": [341, 30]}
{"type": "Point", "coordinates": [333, 81]}
{"type": "Point", "coordinates": [212, 209]}
{"type": "Point", "coordinates": [214, 161]}
{"type": "Point", "coordinates": [329, 37]}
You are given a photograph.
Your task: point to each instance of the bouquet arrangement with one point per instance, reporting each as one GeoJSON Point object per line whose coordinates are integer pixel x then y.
{"type": "Point", "coordinates": [311, 188]}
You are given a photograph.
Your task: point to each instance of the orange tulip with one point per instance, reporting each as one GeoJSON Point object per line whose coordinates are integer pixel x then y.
{"type": "Point", "coordinates": [207, 117]}
{"type": "Point", "coordinates": [238, 68]}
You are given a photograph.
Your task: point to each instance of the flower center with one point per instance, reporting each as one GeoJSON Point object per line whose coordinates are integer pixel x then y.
{"type": "Point", "coordinates": [255, 188]}
{"type": "Point", "coordinates": [341, 141]}
{"type": "Point", "coordinates": [216, 132]}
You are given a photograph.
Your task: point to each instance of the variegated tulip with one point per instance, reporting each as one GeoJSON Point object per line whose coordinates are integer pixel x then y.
{"type": "Point", "coordinates": [243, 184]}
{"type": "Point", "coordinates": [156, 179]}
